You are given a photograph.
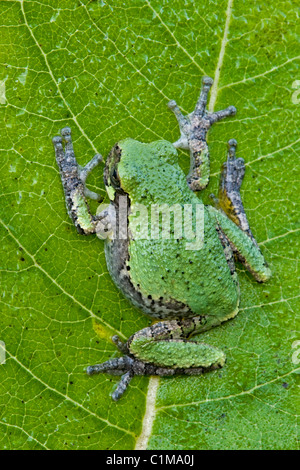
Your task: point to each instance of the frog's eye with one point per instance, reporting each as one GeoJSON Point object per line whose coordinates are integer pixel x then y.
{"type": "Point", "coordinates": [114, 177]}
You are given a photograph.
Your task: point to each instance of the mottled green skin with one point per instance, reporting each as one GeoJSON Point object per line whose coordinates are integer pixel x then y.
{"type": "Point", "coordinates": [189, 289]}
{"type": "Point", "coordinates": [178, 353]}
{"type": "Point", "coordinates": [200, 279]}
{"type": "Point", "coordinates": [203, 281]}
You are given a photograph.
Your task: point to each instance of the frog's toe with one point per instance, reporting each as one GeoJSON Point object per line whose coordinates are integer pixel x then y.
{"type": "Point", "coordinates": [233, 170]}
{"type": "Point", "coordinates": [120, 345]}
{"type": "Point", "coordinates": [66, 132]}
{"type": "Point", "coordinates": [232, 143]}
{"type": "Point", "coordinates": [122, 385]}
{"type": "Point", "coordinates": [57, 140]}
{"type": "Point", "coordinates": [83, 173]}
{"type": "Point", "coordinates": [121, 364]}
{"type": "Point", "coordinates": [58, 148]}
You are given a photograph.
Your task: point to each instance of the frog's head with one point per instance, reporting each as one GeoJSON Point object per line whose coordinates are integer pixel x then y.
{"type": "Point", "coordinates": [132, 164]}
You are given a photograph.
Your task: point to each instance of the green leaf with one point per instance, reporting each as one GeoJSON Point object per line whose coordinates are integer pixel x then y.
{"type": "Point", "coordinates": [108, 69]}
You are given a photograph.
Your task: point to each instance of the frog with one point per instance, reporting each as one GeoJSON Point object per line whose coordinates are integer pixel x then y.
{"type": "Point", "coordinates": [185, 289]}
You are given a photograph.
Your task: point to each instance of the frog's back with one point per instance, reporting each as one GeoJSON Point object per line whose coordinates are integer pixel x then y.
{"type": "Point", "coordinates": [162, 276]}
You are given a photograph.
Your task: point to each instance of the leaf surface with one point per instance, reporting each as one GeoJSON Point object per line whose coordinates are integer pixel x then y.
{"type": "Point", "coordinates": [108, 69]}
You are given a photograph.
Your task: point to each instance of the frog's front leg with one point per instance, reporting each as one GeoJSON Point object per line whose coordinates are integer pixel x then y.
{"type": "Point", "coordinates": [193, 129]}
{"type": "Point", "coordinates": [229, 196]}
{"type": "Point", "coordinates": [162, 349]}
{"type": "Point", "coordinates": [231, 216]}
{"type": "Point", "coordinates": [73, 178]}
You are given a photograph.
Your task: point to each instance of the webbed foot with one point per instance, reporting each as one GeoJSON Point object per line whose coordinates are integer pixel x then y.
{"type": "Point", "coordinates": [193, 130]}
{"type": "Point", "coordinates": [128, 367]}
{"type": "Point", "coordinates": [197, 359]}
{"type": "Point", "coordinates": [73, 178]}
{"type": "Point", "coordinates": [229, 198]}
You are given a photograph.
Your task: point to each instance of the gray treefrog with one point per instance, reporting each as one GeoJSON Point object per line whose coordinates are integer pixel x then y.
{"type": "Point", "coordinates": [189, 291]}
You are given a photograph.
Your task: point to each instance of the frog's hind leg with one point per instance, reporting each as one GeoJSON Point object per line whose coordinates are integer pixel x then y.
{"type": "Point", "coordinates": [229, 196]}
{"type": "Point", "coordinates": [193, 130]}
{"type": "Point", "coordinates": [232, 222]}
{"type": "Point", "coordinates": [162, 349]}
{"type": "Point", "coordinates": [73, 178]}
{"type": "Point", "coordinates": [165, 345]}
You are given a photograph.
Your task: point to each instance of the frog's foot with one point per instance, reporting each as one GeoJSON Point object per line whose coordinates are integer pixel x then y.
{"type": "Point", "coordinates": [229, 200]}
{"type": "Point", "coordinates": [233, 171]}
{"type": "Point", "coordinates": [129, 366]}
{"type": "Point", "coordinates": [73, 178]}
{"type": "Point", "coordinates": [66, 161]}
{"type": "Point", "coordinates": [120, 366]}
{"type": "Point", "coordinates": [193, 130]}
{"type": "Point", "coordinates": [146, 354]}
{"type": "Point", "coordinates": [195, 125]}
